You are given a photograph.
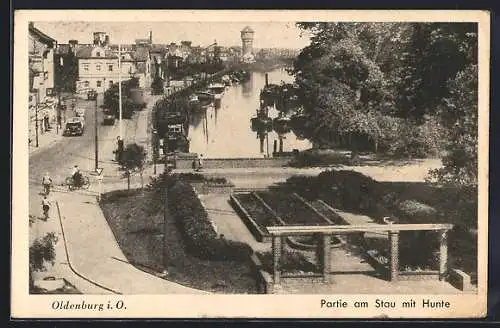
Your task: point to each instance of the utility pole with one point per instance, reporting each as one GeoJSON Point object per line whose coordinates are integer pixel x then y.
{"type": "Point", "coordinates": [36, 119]}
{"type": "Point", "coordinates": [94, 95]}
{"type": "Point", "coordinates": [120, 89]}
{"type": "Point", "coordinates": [59, 105]}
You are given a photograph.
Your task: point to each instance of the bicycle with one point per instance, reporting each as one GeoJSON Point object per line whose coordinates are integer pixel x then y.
{"type": "Point", "coordinates": [46, 188]}
{"type": "Point", "coordinates": [84, 183]}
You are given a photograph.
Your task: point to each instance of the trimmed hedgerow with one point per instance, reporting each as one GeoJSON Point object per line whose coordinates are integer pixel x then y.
{"type": "Point", "coordinates": [200, 236]}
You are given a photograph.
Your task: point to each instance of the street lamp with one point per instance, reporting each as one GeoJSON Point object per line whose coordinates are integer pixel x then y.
{"type": "Point", "coordinates": [93, 96]}
{"type": "Point", "coordinates": [155, 149]}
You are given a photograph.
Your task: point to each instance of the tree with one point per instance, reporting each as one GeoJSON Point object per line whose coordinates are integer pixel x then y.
{"type": "Point", "coordinates": [111, 97]}
{"type": "Point", "coordinates": [157, 85]}
{"type": "Point", "coordinates": [40, 252]}
{"type": "Point", "coordinates": [133, 158]}
{"type": "Point", "coordinates": [459, 114]}
{"type": "Point", "coordinates": [361, 80]}
{"type": "Point", "coordinates": [434, 54]}
{"type": "Point", "coordinates": [341, 87]}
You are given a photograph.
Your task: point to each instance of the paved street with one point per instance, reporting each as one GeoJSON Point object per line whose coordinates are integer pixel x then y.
{"type": "Point", "coordinates": [87, 254]}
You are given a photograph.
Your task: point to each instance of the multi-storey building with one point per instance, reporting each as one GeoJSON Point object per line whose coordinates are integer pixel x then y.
{"type": "Point", "coordinates": [97, 68]}
{"type": "Point", "coordinates": [41, 65]}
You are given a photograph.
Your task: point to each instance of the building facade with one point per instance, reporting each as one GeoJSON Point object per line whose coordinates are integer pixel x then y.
{"type": "Point", "coordinates": [41, 65]}
{"type": "Point", "coordinates": [97, 69]}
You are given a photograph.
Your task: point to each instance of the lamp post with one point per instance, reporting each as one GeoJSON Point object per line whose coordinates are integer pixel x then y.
{"type": "Point", "coordinates": [120, 90]}
{"type": "Point", "coordinates": [94, 98]}
{"type": "Point", "coordinates": [155, 149]}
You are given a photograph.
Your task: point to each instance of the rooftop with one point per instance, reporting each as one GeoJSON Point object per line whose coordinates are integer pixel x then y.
{"type": "Point", "coordinates": [86, 52]}
{"type": "Point", "coordinates": [40, 35]}
{"type": "Point", "coordinates": [247, 29]}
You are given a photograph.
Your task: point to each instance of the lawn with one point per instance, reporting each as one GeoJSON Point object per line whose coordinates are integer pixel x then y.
{"type": "Point", "coordinates": [139, 230]}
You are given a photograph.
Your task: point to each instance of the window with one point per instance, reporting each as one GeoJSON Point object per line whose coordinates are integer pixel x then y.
{"type": "Point", "coordinates": [98, 54]}
{"type": "Point", "coordinates": [110, 68]}
{"type": "Point", "coordinates": [86, 67]}
{"type": "Point", "coordinates": [98, 67]}
{"type": "Point", "coordinates": [110, 83]}
{"type": "Point", "coordinates": [86, 84]}
{"type": "Point", "coordinates": [98, 83]}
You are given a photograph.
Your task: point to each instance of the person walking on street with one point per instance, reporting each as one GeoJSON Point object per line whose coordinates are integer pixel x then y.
{"type": "Point", "coordinates": [45, 207]}
{"type": "Point", "coordinates": [46, 182]}
{"type": "Point", "coordinates": [119, 150]}
{"type": "Point", "coordinates": [76, 175]}
{"type": "Point", "coordinates": [200, 163]}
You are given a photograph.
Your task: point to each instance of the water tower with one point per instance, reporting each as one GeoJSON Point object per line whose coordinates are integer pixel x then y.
{"type": "Point", "coordinates": [247, 41]}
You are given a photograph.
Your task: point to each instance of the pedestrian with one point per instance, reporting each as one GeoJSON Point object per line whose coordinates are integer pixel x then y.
{"type": "Point", "coordinates": [200, 163]}
{"type": "Point", "coordinates": [194, 164]}
{"type": "Point", "coordinates": [45, 207]}
{"type": "Point", "coordinates": [46, 183]}
{"type": "Point", "coordinates": [119, 149]}
{"type": "Point", "coordinates": [46, 122]}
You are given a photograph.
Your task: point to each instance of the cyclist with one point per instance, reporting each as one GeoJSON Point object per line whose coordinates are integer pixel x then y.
{"type": "Point", "coordinates": [77, 176]}
{"type": "Point", "coordinates": [45, 207]}
{"type": "Point", "coordinates": [46, 182]}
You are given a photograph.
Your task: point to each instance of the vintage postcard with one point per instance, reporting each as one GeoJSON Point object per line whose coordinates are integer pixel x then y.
{"type": "Point", "coordinates": [250, 164]}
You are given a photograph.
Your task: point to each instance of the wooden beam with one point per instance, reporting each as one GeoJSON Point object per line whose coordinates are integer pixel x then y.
{"type": "Point", "coordinates": [336, 229]}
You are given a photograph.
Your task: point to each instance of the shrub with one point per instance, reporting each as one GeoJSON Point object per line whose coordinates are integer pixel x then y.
{"type": "Point", "coordinates": [304, 185]}
{"type": "Point", "coordinates": [40, 252]}
{"type": "Point", "coordinates": [416, 212]}
{"type": "Point", "coordinates": [191, 177]}
{"type": "Point", "coordinates": [348, 189]}
{"type": "Point", "coordinates": [407, 139]}
{"type": "Point", "coordinates": [192, 218]}
{"type": "Point", "coordinates": [316, 158]}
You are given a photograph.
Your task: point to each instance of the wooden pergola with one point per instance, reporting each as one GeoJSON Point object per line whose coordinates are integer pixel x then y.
{"type": "Point", "coordinates": [279, 233]}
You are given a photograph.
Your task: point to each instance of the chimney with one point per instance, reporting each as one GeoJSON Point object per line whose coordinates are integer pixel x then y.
{"type": "Point", "coordinates": [150, 37]}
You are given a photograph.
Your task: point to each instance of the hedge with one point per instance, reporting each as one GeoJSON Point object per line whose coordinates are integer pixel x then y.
{"type": "Point", "coordinates": [192, 219]}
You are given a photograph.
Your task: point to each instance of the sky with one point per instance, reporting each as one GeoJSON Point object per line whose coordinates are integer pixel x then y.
{"type": "Point", "coordinates": [267, 34]}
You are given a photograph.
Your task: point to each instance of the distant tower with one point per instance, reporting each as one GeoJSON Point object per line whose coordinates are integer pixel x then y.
{"type": "Point", "coordinates": [247, 41]}
{"type": "Point", "coordinates": [101, 39]}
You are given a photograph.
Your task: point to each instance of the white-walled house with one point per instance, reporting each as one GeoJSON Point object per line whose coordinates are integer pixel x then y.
{"type": "Point", "coordinates": [97, 69]}
{"type": "Point", "coordinates": [41, 65]}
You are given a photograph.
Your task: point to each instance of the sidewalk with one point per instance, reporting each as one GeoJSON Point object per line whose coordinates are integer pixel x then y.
{"type": "Point", "coordinates": [94, 253]}
{"type": "Point", "coordinates": [45, 140]}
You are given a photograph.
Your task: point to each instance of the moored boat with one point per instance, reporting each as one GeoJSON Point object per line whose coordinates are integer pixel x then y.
{"type": "Point", "coordinates": [217, 89]}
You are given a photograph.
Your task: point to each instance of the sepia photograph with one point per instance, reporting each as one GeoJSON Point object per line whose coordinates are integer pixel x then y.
{"type": "Point", "coordinates": [250, 163]}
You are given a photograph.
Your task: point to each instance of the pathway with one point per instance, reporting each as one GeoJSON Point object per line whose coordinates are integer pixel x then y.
{"type": "Point", "coordinates": [94, 253]}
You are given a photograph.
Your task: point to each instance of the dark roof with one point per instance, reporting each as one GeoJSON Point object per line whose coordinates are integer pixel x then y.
{"type": "Point", "coordinates": [63, 49]}
{"type": "Point", "coordinates": [142, 41]}
{"type": "Point", "coordinates": [86, 52]}
{"type": "Point", "coordinates": [247, 29]}
{"type": "Point", "coordinates": [141, 67]}
{"type": "Point", "coordinates": [141, 54]}
{"type": "Point", "coordinates": [156, 57]}
{"type": "Point", "coordinates": [41, 36]}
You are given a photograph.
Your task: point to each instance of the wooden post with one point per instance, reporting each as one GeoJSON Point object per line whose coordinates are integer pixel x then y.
{"type": "Point", "coordinates": [394, 240]}
{"type": "Point", "coordinates": [326, 244]}
{"type": "Point", "coordinates": [276, 258]}
{"type": "Point", "coordinates": [443, 255]}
